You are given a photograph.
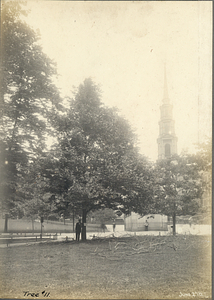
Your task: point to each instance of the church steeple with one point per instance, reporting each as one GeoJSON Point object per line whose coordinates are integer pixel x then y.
{"type": "Point", "coordinates": [167, 140]}
{"type": "Point", "coordinates": [165, 91]}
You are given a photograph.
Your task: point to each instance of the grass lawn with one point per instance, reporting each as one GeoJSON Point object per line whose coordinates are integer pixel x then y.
{"type": "Point", "coordinates": [125, 268]}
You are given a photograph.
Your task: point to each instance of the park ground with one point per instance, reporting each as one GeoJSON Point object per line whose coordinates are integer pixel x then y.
{"type": "Point", "coordinates": [129, 267]}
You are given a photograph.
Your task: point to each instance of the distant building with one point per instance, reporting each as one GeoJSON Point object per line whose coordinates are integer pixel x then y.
{"type": "Point", "coordinates": [167, 146]}
{"type": "Point", "coordinates": [167, 140]}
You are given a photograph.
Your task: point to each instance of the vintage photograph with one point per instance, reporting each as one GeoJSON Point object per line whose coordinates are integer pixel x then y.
{"type": "Point", "coordinates": [106, 149]}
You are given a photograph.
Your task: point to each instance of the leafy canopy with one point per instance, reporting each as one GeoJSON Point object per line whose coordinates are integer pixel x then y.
{"type": "Point", "coordinates": [95, 163]}
{"type": "Point", "coordinates": [178, 186]}
{"type": "Point", "coordinates": [28, 100]}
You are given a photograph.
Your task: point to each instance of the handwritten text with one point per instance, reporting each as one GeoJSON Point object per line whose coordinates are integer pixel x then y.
{"type": "Point", "coordinates": [29, 294]}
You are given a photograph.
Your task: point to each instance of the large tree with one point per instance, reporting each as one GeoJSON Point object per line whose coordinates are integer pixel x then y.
{"type": "Point", "coordinates": [178, 187]}
{"type": "Point", "coordinates": [95, 163]}
{"type": "Point", "coordinates": [28, 98]}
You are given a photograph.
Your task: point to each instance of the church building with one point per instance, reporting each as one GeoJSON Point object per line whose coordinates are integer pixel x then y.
{"type": "Point", "coordinates": [167, 140]}
{"type": "Point", "coordinates": [167, 146]}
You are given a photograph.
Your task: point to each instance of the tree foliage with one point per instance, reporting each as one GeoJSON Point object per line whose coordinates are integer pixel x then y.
{"type": "Point", "coordinates": [95, 163]}
{"type": "Point", "coordinates": [103, 215]}
{"type": "Point", "coordinates": [178, 188]}
{"type": "Point", "coordinates": [203, 158]}
{"type": "Point", "coordinates": [204, 155]}
{"type": "Point", "coordinates": [28, 99]}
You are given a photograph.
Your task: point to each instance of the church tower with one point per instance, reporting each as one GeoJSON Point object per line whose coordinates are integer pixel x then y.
{"type": "Point", "coordinates": [167, 140]}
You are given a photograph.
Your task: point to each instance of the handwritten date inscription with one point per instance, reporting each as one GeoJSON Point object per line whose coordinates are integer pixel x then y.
{"type": "Point", "coordinates": [44, 294]}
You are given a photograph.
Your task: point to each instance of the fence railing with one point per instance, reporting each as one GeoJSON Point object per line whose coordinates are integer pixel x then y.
{"type": "Point", "coordinates": [27, 226]}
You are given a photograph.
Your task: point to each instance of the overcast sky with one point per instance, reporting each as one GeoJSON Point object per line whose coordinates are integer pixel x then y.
{"type": "Point", "coordinates": [123, 46]}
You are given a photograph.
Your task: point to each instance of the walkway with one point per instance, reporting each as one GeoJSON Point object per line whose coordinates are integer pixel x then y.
{"type": "Point", "coordinates": [6, 241]}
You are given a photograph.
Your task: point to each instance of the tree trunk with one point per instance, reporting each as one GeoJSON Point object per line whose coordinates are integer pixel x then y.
{"type": "Point", "coordinates": [73, 221]}
{"type": "Point", "coordinates": [32, 225]}
{"type": "Point", "coordinates": [6, 223]}
{"type": "Point", "coordinates": [84, 224]}
{"type": "Point", "coordinates": [174, 223]}
{"type": "Point", "coordinates": [41, 231]}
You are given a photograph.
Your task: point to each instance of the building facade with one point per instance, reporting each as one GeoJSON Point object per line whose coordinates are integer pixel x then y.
{"type": "Point", "coordinates": [167, 140]}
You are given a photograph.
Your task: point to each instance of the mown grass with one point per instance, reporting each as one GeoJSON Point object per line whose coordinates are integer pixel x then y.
{"type": "Point", "coordinates": [145, 267]}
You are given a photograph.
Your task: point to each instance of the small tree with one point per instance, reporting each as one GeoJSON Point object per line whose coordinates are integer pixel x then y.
{"type": "Point", "coordinates": [178, 188]}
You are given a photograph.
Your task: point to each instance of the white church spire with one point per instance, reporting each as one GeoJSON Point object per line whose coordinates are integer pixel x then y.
{"type": "Point", "coordinates": [167, 140]}
{"type": "Point", "coordinates": [165, 92]}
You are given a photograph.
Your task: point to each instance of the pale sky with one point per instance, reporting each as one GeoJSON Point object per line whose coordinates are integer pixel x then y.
{"type": "Point", "coordinates": [123, 46]}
